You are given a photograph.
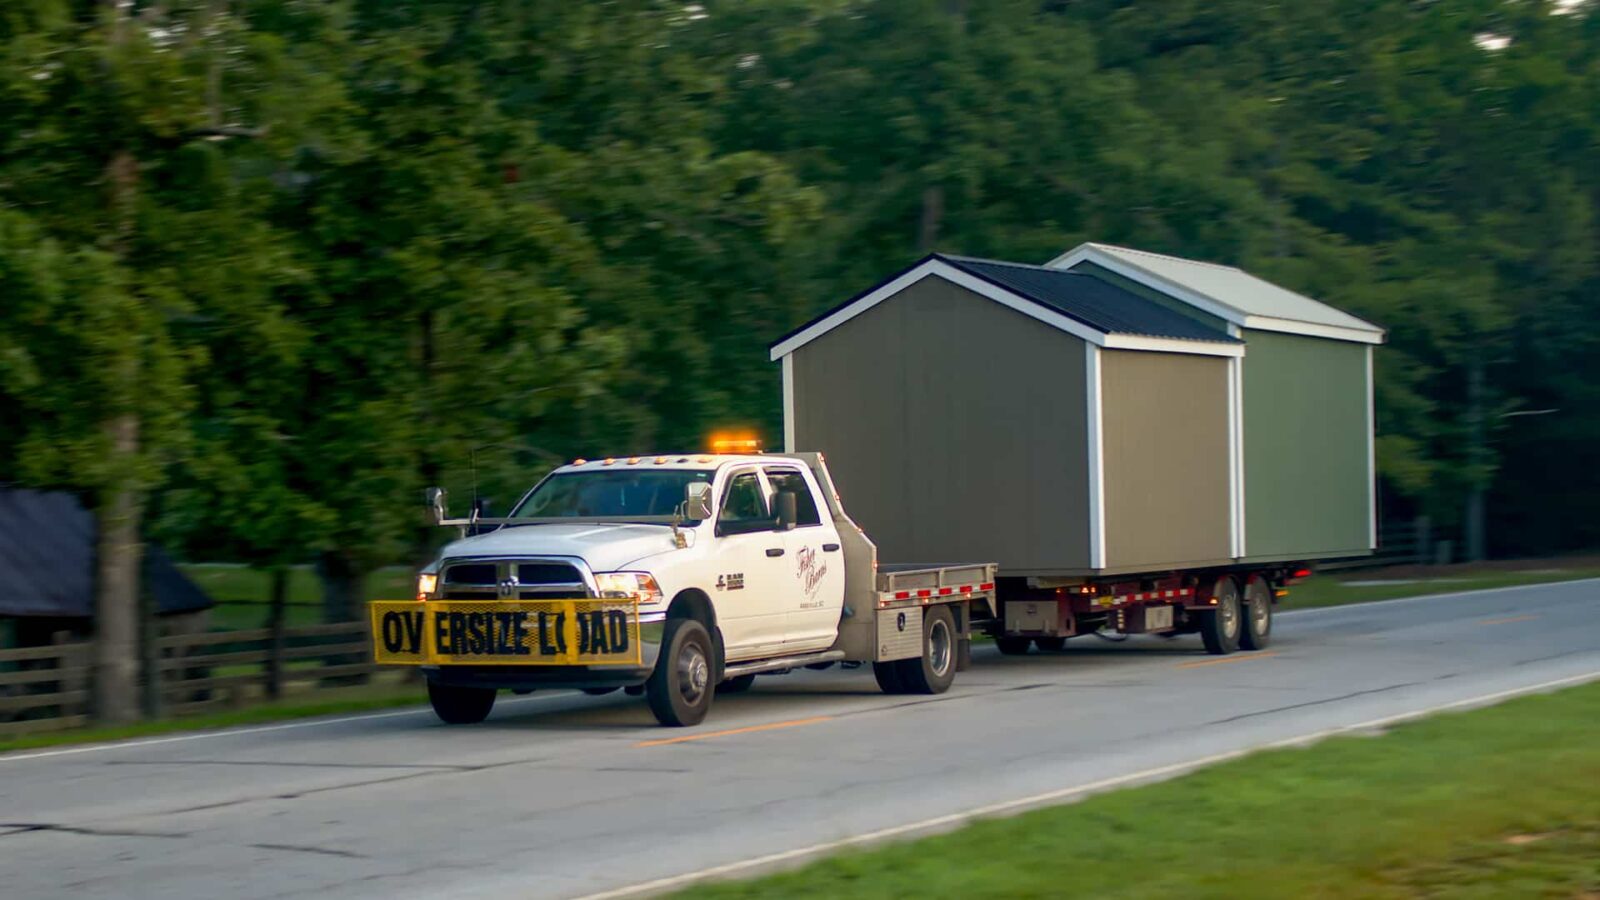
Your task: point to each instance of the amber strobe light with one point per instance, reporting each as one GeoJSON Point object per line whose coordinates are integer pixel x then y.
{"type": "Point", "coordinates": [735, 442]}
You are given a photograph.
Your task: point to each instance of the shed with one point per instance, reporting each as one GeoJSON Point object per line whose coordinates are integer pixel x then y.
{"type": "Point", "coordinates": [1305, 418]}
{"type": "Point", "coordinates": [1048, 420]}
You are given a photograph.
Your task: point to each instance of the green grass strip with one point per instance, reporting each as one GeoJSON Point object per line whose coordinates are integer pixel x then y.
{"type": "Point", "coordinates": [1497, 802]}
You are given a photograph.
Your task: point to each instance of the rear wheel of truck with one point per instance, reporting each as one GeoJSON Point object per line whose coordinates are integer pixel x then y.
{"type": "Point", "coordinates": [1050, 644]}
{"type": "Point", "coordinates": [461, 705]}
{"type": "Point", "coordinates": [1220, 625]}
{"type": "Point", "coordinates": [888, 677]}
{"type": "Point", "coordinates": [681, 688]}
{"type": "Point", "coordinates": [932, 672]}
{"type": "Point", "coordinates": [736, 685]}
{"type": "Point", "coordinates": [1257, 631]}
{"type": "Point", "coordinates": [1011, 645]}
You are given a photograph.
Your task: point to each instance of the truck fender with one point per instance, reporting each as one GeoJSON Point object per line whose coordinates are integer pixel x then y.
{"type": "Point", "coordinates": [692, 603]}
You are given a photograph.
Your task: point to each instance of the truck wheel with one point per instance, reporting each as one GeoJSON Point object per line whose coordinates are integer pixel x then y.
{"type": "Point", "coordinates": [1257, 631]}
{"type": "Point", "coordinates": [1050, 644]}
{"type": "Point", "coordinates": [1011, 645]}
{"type": "Point", "coordinates": [461, 705]}
{"type": "Point", "coordinates": [1220, 625]}
{"type": "Point", "coordinates": [888, 677]}
{"type": "Point", "coordinates": [681, 688]}
{"type": "Point", "coordinates": [736, 685]}
{"type": "Point", "coordinates": [932, 672]}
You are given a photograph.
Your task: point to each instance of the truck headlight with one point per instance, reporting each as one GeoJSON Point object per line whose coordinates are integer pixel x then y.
{"type": "Point", "coordinates": [427, 582]}
{"type": "Point", "coordinates": [637, 586]}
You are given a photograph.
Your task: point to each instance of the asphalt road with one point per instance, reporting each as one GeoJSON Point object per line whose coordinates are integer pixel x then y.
{"type": "Point", "coordinates": [563, 795]}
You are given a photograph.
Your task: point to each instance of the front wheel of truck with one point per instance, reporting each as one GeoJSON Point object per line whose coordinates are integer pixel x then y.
{"type": "Point", "coordinates": [681, 688]}
{"type": "Point", "coordinates": [461, 705]}
{"type": "Point", "coordinates": [932, 672]}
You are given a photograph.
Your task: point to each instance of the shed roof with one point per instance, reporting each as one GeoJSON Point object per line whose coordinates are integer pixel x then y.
{"type": "Point", "coordinates": [1227, 292]}
{"type": "Point", "coordinates": [47, 560]}
{"type": "Point", "coordinates": [1082, 305]}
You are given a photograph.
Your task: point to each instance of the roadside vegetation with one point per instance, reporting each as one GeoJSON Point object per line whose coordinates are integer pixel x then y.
{"type": "Point", "coordinates": [1498, 802]}
{"type": "Point", "coordinates": [1369, 585]}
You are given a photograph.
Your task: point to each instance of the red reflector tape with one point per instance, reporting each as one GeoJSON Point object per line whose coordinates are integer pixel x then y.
{"type": "Point", "coordinates": [986, 586]}
{"type": "Point", "coordinates": [943, 591]}
{"type": "Point", "coordinates": [924, 593]}
{"type": "Point", "coordinates": [966, 589]}
{"type": "Point", "coordinates": [902, 595]}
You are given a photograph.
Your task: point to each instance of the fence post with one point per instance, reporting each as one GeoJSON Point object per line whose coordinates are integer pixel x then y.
{"type": "Point", "coordinates": [275, 621]}
{"type": "Point", "coordinates": [72, 656]}
{"type": "Point", "coordinates": [1424, 540]}
{"type": "Point", "coordinates": [150, 655]}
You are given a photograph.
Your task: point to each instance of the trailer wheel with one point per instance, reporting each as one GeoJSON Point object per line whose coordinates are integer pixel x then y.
{"type": "Point", "coordinates": [1050, 644]}
{"type": "Point", "coordinates": [738, 684]}
{"type": "Point", "coordinates": [935, 669]}
{"type": "Point", "coordinates": [681, 688]}
{"type": "Point", "coordinates": [1220, 625]}
{"type": "Point", "coordinates": [1012, 645]}
{"type": "Point", "coordinates": [887, 675]}
{"type": "Point", "coordinates": [460, 705]}
{"type": "Point", "coordinates": [1257, 631]}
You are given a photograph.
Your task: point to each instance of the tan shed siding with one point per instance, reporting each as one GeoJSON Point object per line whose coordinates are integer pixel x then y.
{"type": "Point", "coordinates": [1165, 422]}
{"type": "Point", "coordinates": [954, 428]}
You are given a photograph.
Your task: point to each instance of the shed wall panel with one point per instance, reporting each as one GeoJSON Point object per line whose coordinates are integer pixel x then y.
{"type": "Point", "coordinates": [1307, 483]}
{"type": "Point", "coordinates": [1165, 420]}
{"type": "Point", "coordinates": [955, 430]}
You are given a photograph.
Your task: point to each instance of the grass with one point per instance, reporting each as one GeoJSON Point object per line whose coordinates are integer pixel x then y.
{"type": "Point", "coordinates": [242, 593]}
{"type": "Point", "coordinates": [1416, 581]}
{"type": "Point", "coordinates": [1498, 802]}
{"type": "Point", "coordinates": [326, 701]}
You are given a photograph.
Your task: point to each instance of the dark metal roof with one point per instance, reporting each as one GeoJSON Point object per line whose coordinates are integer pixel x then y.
{"type": "Point", "coordinates": [1100, 305]}
{"type": "Point", "coordinates": [47, 560]}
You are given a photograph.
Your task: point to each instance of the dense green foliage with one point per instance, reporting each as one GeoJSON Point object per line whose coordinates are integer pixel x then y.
{"type": "Point", "coordinates": [326, 252]}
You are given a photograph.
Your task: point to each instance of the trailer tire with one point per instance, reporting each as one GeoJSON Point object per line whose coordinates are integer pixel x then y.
{"type": "Point", "coordinates": [1257, 631]}
{"type": "Point", "coordinates": [738, 684]}
{"type": "Point", "coordinates": [887, 675]}
{"type": "Point", "coordinates": [935, 669]}
{"type": "Point", "coordinates": [1220, 625]}
{"type": "Point", "coordinates": [680, 690]}
{"type": "Point", "coordinates": [460, 705]}
{"type": "Point", "coordinates": [1012, 645]}
{"type": "Point", "coordinates": [1050, 644]}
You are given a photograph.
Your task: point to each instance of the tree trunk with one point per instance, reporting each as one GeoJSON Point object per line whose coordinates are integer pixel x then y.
{"type": "Point", "coordinates": [343, 600]}
{"type": "Point", "coordinates": [118, 563]}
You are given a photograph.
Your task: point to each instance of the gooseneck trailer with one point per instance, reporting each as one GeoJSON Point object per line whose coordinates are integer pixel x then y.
{"type": "Point", "coordinates": [1115, 442]}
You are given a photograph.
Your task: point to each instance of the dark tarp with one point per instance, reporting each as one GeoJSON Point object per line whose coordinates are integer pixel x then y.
{"type": "Point", "coordinates": [47, 560]}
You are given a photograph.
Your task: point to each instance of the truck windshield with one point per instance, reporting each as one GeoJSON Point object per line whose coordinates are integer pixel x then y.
{"type": "Point", "coordinates": [617, 492]}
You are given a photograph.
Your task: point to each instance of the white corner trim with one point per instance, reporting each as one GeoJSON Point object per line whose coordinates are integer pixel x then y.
{"type": "Point", "coordinates": [1372, 458]}
{"type": "Point", "coordinates": [1235, 469]}
{"type": "Point", "coordinates": [1094, 408]}
{"type": "Point", "coordinates": [1029, 308]}
{"type": "Point", "coordinates": [788, 404]}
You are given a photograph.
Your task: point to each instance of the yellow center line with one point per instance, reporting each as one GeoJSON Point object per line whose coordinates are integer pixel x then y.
{"type": "Point", "coordinates": [1508, 621]}
{"type": "Point", "coordinates": [793, 723]}
{"type": "Point", "coordinates": [1231, 659]}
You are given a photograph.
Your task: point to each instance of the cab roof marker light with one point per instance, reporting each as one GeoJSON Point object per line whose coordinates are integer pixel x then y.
{"type": "Point", "coordinates": [609, 462]}
{"type": "Point", "coordinates": [633, 460]}
{"type": "Point", "coordinates": [579, 462]}
{"type": "Point", "coordinates": [661, 460]}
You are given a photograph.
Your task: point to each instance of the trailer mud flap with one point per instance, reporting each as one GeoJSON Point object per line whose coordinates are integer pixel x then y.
{"type": "Point", "coordinates": [899, 633]}
{"type": "Point", "coordinates": [505, 632]}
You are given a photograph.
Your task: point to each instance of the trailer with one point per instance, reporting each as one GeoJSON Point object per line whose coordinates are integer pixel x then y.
{"type": "Point", "coordinates": [1144, 444]}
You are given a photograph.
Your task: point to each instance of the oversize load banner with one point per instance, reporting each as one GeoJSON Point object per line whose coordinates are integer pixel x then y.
{"type": "Point", "coordinates": [505, 632]}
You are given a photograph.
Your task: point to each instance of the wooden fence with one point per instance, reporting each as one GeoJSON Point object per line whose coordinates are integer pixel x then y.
{"type": "Point", "coordinates": [47, 688]}
{"type": "Point", "coordinates": [1400, 543]}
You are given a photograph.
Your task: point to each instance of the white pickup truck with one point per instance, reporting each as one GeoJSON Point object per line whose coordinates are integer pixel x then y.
{"type": "Point", "coordinates": [679, 577]}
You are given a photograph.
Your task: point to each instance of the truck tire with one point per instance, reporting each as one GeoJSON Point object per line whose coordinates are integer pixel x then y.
{"type": "Point", "coordinates": [681, 688]}
{"type": "Point", "coordinates": [460, 705]}
{"type": "Point", "coordinates": [1220, 625]}
{"type": "Point", "coordinates": [888, 677]}
{"type": "Point", "coordinates": [736, 685]}
{"type": "Point", "coordinates": [1257, 631]}
{"type": "Point", "coordinates": [1012, 645]}
{"type": "Point", "coordinates": [935, 669]}
{"type": "Point", "coordinates": [1050, 644]}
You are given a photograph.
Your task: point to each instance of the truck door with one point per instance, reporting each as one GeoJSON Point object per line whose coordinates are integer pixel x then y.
{"type": "Point", "coordinates": [814, 576]}
{"type": "Point", "coordinates": [750, 562]}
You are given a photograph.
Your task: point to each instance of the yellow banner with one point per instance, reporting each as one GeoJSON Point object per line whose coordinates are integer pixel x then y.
{"type": "Point", "coordinates": [505, 632]}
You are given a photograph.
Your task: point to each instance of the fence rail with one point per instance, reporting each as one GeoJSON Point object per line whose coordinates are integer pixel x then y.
{"type": "Point", "coordinates": [48, 688]}
{"type": "Point", "coordinates": [1400, 543]}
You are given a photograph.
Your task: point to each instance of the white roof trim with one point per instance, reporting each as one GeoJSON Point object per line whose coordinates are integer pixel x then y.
{"type": "Point", "coordinates": [1029, 308]}
{"type": "Point", "coordinates": [1094, 253]}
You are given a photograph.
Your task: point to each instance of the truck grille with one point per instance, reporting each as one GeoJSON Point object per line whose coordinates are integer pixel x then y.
{"type": "Point", "coordinates": [512, 579]}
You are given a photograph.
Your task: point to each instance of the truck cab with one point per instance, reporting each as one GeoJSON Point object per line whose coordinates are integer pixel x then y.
{"type": "Point", "coordinates": [675, 576]}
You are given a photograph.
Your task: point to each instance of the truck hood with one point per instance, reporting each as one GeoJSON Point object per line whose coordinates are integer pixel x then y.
{"type": "Point", "coordinates": [606, 548]}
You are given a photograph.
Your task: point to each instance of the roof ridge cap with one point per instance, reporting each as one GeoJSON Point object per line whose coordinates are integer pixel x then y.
{"type": "Point", "coordinates": [1181, 259]}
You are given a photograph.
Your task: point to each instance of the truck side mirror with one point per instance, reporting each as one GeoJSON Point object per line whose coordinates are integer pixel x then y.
{"type": "Point", "coordinates": [435, 498]}
{"type": "Point", "coordinates": [697, 501]}
{"type": "Point", "coordinates": [788, 510]}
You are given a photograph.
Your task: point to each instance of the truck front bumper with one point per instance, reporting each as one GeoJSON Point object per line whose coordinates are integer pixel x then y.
{"type": "Point", "coordinates": [515, 677]}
